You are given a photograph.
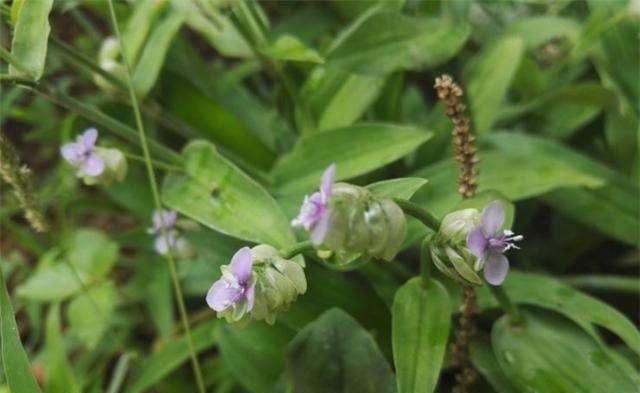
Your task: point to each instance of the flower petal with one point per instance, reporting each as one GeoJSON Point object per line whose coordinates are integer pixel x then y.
{"type": "Point", "coordinates": [496, 268]}
{"type": "Point", "coordinates": [250, 297]}
{"type": "Point", "coordinates": [93, 166]}
{"type": "Point", "coordinates": [319, 232]}
{"type": "Point", "coordinates": [326, 184]}
{"type": "Point", "coordinates": [89, 138]}
{"type": "Point", "coordinates": [241, 264]}
{"type": "Point", "coordinates": [492, 219]}
{"type": "Point", "coordinates": [221, 295]}
{"type": "Point", "coordinates": [72, 153]}
{"type": "Point", "coordinates": [476, 242]}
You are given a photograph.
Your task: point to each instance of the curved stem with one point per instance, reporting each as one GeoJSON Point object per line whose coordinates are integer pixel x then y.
{"type": "Point", "coordinates": [418, 212]}
{"type": "Point", "coordinates": [156, 199]}
{"type": "Point", "coordinates": [298, 249]}
{"type": "Point", "coordinates": [507, 305]}
{"type": "Point", "coordinates": [425, 259]}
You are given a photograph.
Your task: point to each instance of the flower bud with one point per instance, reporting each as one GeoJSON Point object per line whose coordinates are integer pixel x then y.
{"type": "Point", "coordinates": [107, 59]}
{"type": "Point", "coordinates": [258, 284]}
{"type": "Point", "coordinates": [456, 226]}
{"type": "Point", "coordinates": [448, 249]}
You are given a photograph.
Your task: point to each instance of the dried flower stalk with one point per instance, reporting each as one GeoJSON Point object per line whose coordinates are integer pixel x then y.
{"type": "Point", "coordinates": [451, 94]}
{"type": "Point", "coordinates": [19, 177]}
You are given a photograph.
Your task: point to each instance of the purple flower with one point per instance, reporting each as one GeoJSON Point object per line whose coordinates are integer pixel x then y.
{"type": "Point", "coordinates": [166, 239]}
{"type": "Point", "coordinates": [488, 242]}
{"type": "Point", "coordinates": [82, 155]}
{"type": "Point", "coordinates": [235, 288]}
{"type": "Point", "coordinates": [160, 218]}
{"type": "Point", "coordinates": [314, 212]}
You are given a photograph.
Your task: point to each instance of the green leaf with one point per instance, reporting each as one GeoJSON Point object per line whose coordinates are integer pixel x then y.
{"type": "Point", "coordinates": [217, 194]}
{"type": "Point", "coordinates": [421, 318]}
{"type": "Point", "coordinates": [537, 30]}
{"type": "Point", "coordinates": [290, 48]}
{"type": "Point", "coordinates": [214, 121]}
{"type": "Point", "coordinates": [17, 370]}
{"type": "Point", "coordinates": [586, 311]}
{"type": "Point", "coordinates": [335, 354]}
{"type": "Point", "coordinates": [254, 353]}
{"type": "Point", "coordinates": [549, 354]}
{"type": "Point", "coordinates": [92, 252]}
{"type": "Point", "coordinates": [51, 283]}
{"type": "Point", "coordinates": [139, 24]}
{"type": "Point", "coordinates": [30, 35]}
{"type": "Point", "coordinates": [486, 363]}
{"type": "Point", "coordinates": [153, 55]}
{"type": "Point", "coordinates": [402, 187]}
{"type": "Point", "coordinates": [610, 209]}
{"type": "Point", "coordinates": [355, 150]}
{"type": "Point", "coordinates": [490, 78]}
{"type": "Point", "coordinates": [413, 43]}
{"type": "Point", "coordinates": [171, 355]}
{"type": "Point", "coordinates": [537, 172]}
{"type": "Point", "coordinates": [90, 257]}
{"type": "Point", "coordinates": [340, 98]}
{"type": "Point", "coordinates": [603, 282]}
{"type": "Point", "coordinates": [60, 378]}
{"type": "Point", "coordinates": [219, 31]}
{"type": "Point", "coordinates": [90, 313]}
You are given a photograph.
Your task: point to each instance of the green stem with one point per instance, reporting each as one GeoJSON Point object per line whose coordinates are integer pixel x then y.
{"type": "Point", "coordinates": [156, 199]}
{"type": "Point", "coordinates": [156, 163]}
{"type": "Point", "coordinates": [507, 305]}
{"type": "Point", "coordinates": [416, 211]}
{"type": "Point", "coordinates": [298, 249]}
{"type": "Point", "coordinates": [425, 259]}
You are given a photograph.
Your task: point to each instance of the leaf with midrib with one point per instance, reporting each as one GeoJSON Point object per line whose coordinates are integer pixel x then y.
{"type": "Point", "coordinates": [356, 149]}
{"type": "Point", "coordinates": [30, 34]}
{"type": "Point", "coordinates": [421, 317]}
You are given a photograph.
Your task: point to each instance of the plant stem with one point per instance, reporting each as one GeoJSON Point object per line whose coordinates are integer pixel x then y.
{"type": "Point", "coordinates": [156, 163]}
{"type": "Point", "coordinates": [425, 259]}
{"type": "Point", "coordinates": [507, 305]}
{"type": "Point", "coordinates": [298, 249]}
{"type": "Point", "coordinates": [416, 211]}
{"type": "Point", "coordinates": [156, 199]}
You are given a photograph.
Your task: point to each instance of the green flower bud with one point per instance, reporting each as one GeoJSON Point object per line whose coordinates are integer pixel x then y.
{"type": "Point", "coordinates": [362, 225]}
{"type": "Point", "coordinates": [278, 282]}
{"type": "Point", "coordinates": [107, 59]}
{"type": "Point", "coordinates": [449, 251]}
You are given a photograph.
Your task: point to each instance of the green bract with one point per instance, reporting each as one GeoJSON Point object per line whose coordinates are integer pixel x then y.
{"type": "Point", "coordinates": [362, 225]}
{"type": "Point", "coordinates": [448, 248]}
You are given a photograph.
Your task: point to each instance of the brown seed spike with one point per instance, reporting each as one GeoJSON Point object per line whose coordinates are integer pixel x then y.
{"type": "Point", "coordinates": [450, 94]}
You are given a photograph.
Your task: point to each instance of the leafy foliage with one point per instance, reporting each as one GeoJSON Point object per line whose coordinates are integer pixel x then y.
{"type": "Point", "coordinates": [244, 104]}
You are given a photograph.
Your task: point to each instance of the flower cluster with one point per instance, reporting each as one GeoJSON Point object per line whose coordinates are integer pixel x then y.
{"type": "Point", "coordinates": [168, 237]}
{"type": "Point", "coordinates": [469, 241]}
{"type": "Point", "coordinates": [257, 284]}
{"type": "Point", "coordinates": [94, 164]}
{"type": "Point", "coordinates": [350, 222]}
{"type": "Point", "coordinates": [347, 222]}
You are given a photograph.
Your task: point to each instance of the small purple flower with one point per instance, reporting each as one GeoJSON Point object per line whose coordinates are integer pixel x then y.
{"type": "Point", "coordinates": [314, 213]}
{"type": "Point", "coordinates": [82, 155]}
{"type": "Point", "coordinates": [160, 218]}
{"type": "Point", "coordinates": [235, 287]}
{"type": "Point", "coordinates": [166, 239]}
{"type": "Point", "coordinates": [488, 242]}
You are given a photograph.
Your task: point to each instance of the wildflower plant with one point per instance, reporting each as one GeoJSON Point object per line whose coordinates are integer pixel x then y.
{"type": "Point", "coordinates": [281, 200]}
